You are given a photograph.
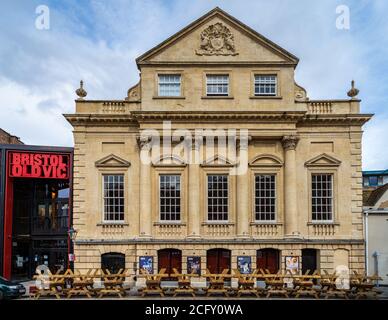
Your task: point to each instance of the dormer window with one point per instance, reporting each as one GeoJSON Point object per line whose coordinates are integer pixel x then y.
{"type": "Point", "coordinates": [217, 85]}
{"type": "Point", "coordinates": [265, 85]}
{"type": "Point", "coordinates": [169, 85]}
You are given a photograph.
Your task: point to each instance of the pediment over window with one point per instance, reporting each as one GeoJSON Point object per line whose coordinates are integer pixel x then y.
{"type": "Point", "coordinates": [323, 160]}
{"type": "Point", "coordinates": [112, 161]}
{"type": "Point", "coordinates": [218, 161]}
{"type": "Point", "coordinates": [266, 160]}
{"type": "Point", "coordinates": [169, 161]}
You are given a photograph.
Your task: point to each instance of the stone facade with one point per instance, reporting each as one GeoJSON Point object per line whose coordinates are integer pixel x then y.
{"type": "Point", "coordinates": [290, 136]}
{"type": "Point", "coordinates": [6, 138]}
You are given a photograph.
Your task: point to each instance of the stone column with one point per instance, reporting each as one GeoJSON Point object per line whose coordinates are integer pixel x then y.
{"type": "Point", "coordinates": [242, 191]}
{"type": "Point", "coordinates": [145, 191]}
{"type": "Point", "coordinates": [193, 214]}
{"type": "Point", "coordinates": [290, 187]}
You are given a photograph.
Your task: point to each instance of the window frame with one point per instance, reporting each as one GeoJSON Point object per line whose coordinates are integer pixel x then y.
{"type": "Point", "coordinates": [265, 72]}
{"type": "Point", "coordinates": [104, 220]}
{"type": "Point", "coordinates": [215, 74]}
{"type": "Point", "coordinates": [256, 174]}
{"type": "Point", "coordinates": [334, 197]}
{"type": "Point", "coordinates": [168, 169]}
{"type": "Point", "coordinates": [180, 198]}
{"type": "Point", "coordinates": [159, 83]}
{"type": "Point", "coordinates": [265, 94]}
{"type": "Point", "coordinates": [208, 221]}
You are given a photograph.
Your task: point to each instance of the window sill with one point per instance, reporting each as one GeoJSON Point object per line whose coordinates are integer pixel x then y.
{"type": "Point", "coordinates": [168, 97]}
{"type": "Point", "coordinates": [217, 97]}
{"type": "Point", "coordinates": [266, 97]}
{"type": "Point", "coordinates": [207, 223]}
{"type": "Point", "coordinates": [164, 223]}
{"type": "Point", "coordinates": [107, 224]}
{"type": "Point", "coordinates": [319, 223]}
{"type": "Point", "coordinates": [258, 223]}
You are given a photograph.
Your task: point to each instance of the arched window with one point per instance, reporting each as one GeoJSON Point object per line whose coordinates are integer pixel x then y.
{"type": "Point", "coordinates": [112, 261]}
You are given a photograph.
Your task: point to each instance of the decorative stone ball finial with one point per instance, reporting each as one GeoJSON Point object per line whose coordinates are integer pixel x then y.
{"type": "Point", "coordinates": [81, 93]}
{"type": "Point", "coordinates": [353, 92]}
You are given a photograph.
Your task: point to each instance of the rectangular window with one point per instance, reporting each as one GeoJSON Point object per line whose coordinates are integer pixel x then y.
{"type": "Point", "coordinates": [265, 197]}
{"type": "Point", "coordinates": [265, 85]}
{"type": "Point", "coordinates": [113, 197]}
{"type": "Point", "coordinates": [373, 181]}
{"type": "Point", "coordinates": [217, 85]}
{"type": "Point", "coordinates": [322, 197]}
{"type": "Point", "coordinates": [169, 85]}
{"type": "Point", "coordinates": [170, 197]}
{"type": "Point", "coordinates": [217, 197]}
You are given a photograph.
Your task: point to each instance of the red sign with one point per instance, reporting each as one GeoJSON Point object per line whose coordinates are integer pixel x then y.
{"type": "Point", "coordinates": [38, 165]}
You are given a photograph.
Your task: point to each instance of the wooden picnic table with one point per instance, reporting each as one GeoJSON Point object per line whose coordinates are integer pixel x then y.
{"type": "Point", "coordinates": [363, 286]}
{"type": "Point", "coordinates": [113, 283]}
{"type": "Point", "coordinates": [184, 283]}
{"type": "Point", "coordinates": [153, 282]}
{"type": "Point", "coordinates": [304, 284]}
{"type": "Point", "coordinates": [275, 284]}
{"type": "Point", "coordinates": [246, 283]}
{"type": "Point", "coordinates": [216, 282]}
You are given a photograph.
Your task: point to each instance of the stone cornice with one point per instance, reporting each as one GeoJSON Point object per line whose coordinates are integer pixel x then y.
{"type": "Point", "coordinates": [338, 119]}
{"type": "Point", "coordinates": [134, 241]}
{"type": "Point", "coordinates": [135, 117]}
{"type": "Point", "coordinates": [292, 116]}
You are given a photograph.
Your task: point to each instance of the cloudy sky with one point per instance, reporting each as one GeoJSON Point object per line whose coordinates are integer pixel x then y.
{"type": "Point", "coordinates": [98, 41]}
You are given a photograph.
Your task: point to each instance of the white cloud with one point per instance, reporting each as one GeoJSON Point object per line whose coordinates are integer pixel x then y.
{"type": "Point", "coordinates": [97, 41]}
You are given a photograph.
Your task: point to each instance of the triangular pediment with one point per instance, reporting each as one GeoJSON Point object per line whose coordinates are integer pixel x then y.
{"type": "Point", "coordinates": [266, 160]}
{"type": "Point", "coordinates": [218, 161]}
{"type": "Point", "coordinates": [217, 37]}
{"type": "Point", "coordinates": [112, 161]}
{"type": "Point", "coordinates": [169, 160]}
{"type": "Point", "coordinates": [323, 160]}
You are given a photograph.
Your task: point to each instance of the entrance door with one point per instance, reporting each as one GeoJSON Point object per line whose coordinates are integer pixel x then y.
{"type": "Point", "coordinates": [217, 260]}
{"type": "Point", "coordinates": [113, 262]}
{"type": "Point", "coordinates": [268, 259]}
{"type": "Point", "coordinates": [309, 260]}
{"type": "Point", "coordinates": [169, 259]}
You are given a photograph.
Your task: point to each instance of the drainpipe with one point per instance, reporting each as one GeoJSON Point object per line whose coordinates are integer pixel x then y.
{"type": "Point", "coordinates": [376, 263]}
{"type": "Point", "coordinates": [366, 241]}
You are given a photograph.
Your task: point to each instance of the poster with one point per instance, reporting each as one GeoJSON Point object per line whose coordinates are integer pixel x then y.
{"type": "Point", "coordinates": [292, 264]}
{"type": "Point", "coordinates": [244, 264]}
{"type": "Point", "coordinates": [194, 265]}
{"type": "Point", "coordinates": [146, 262]}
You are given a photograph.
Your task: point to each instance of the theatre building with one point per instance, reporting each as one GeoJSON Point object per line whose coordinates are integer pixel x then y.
{"type": "Point", "coordinates": [285, 191]}
{"type": "Point", "coordinates": [34, 208]}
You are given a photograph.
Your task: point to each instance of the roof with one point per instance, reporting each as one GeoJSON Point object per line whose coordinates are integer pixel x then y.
{"type": "Point", "coordinates": [237, 23]}
{"type": "Point", "coordinates": [375, 172]}
{"type": "Point", "coordinates": [375, 195]}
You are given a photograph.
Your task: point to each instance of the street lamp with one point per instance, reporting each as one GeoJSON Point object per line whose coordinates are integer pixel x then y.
{"type": "Point", "coordinates": [72, 233]}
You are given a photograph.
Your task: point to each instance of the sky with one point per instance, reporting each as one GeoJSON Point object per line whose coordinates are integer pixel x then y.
{"type": "Point", "coordinates": [98, 41]}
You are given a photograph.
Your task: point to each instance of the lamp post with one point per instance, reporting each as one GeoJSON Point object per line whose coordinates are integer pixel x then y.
{"type": "Point", "coordinates": [72, 233]}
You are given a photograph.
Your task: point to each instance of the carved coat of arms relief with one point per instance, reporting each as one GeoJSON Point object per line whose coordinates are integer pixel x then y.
{"type": "Point", "coordinates": [217, 40]}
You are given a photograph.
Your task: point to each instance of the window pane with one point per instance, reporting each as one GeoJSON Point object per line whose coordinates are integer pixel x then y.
{"type": "Point", "coordinates": [217, 85]}
{"type": "Point", "coordinates": [265, 85]}
{"type": "Point", "coordinates": [218, 194]}
{"type": "Point", "coordinates": [169, 197]}
{"type": "Point", "coordinates": [113, 197]}
{"type": "Point", "coordinates": [265, 197]}
{"type": "Point", "coordinates": [169, 85]}
{"type": "Point", "coordinates": [322, 196]}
